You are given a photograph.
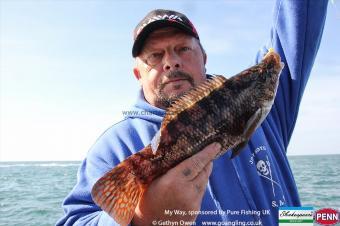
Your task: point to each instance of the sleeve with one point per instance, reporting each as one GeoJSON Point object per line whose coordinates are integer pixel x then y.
{"type": "Point", "coordinates": [79, 208]}
{"type": "Point", "coordinates": [296, 36]}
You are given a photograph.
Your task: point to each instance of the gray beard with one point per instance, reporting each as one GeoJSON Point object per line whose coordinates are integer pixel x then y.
{"type": "Point", "coordinates": [163, 100]}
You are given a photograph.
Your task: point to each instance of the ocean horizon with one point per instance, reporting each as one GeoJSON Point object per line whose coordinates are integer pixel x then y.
{"type": "Point", "coordinates": [31, 192]}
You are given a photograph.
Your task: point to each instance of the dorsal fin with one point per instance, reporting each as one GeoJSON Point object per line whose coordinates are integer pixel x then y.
{"type": "Point", "coordinates": [195, 95]}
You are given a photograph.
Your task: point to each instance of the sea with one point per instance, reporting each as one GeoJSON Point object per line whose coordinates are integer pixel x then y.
{"type": "Point", "coordinates": [31, 193]}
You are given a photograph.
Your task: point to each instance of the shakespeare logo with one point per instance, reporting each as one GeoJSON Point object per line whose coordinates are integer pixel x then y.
{"type": "Point", "coordinates": [289, 216]}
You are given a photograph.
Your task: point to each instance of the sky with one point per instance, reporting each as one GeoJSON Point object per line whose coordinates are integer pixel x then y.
{"type": "Point", "coordinates": [66, 70]}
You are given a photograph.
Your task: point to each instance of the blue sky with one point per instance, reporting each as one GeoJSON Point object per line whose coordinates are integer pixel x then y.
{"type": "Point", "coordinates": [66, 70]}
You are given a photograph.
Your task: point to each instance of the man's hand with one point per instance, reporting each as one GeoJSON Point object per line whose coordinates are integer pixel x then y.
{"type": "Point", "coordinates": [181, 188]}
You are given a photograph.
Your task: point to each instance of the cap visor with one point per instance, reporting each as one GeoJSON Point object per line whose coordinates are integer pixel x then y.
{"type": "Point", "coordinates": [142, 36]}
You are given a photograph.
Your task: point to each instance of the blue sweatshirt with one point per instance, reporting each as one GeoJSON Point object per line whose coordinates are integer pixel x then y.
{"type": "Point", "coordinates": [252, 186]}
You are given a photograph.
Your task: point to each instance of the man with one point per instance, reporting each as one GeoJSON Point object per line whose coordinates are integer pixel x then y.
{"type": "Point", "coordinates": [170, 60]}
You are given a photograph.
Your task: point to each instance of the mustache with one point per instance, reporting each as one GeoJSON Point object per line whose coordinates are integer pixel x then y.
{"type": "Point", "coordinates": [179, 75]}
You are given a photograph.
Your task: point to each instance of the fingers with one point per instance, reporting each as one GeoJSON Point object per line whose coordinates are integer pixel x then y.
{"type": "Point", "coordinates": [193, 166]}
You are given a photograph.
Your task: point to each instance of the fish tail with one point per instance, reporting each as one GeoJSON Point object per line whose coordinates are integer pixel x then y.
{"type": "Point", "coordinates": [118, 193]}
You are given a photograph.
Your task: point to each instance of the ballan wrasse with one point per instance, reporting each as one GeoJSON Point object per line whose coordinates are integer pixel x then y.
{"type": "Point", "coordinates": [220, 110]}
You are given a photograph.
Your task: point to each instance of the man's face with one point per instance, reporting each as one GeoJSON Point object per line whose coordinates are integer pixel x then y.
{"type": "Point", "coordinates": [170, 63]}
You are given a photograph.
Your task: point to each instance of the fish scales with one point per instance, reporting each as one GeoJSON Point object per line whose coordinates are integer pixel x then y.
{"type": "Point", "coordinates": [220, 110]}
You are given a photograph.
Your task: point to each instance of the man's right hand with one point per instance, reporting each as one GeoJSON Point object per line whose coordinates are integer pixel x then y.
{"type": "Point", "coordinates": [181, 188]}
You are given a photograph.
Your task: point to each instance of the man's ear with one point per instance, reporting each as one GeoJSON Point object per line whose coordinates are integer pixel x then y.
{"type": "Point", "coordinates": [136, 73]}
{"type": "Point", "coordinates": [205, 58]}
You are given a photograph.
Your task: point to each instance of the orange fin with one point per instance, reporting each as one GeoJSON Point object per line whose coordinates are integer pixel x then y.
{"type": "Point", "coordinates": [118, 193]}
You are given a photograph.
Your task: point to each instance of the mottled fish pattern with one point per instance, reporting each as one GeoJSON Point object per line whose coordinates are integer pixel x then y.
{"type": "Point", "coordinates": [220, 110]}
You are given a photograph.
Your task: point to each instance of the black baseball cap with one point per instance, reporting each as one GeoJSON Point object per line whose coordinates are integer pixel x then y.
{"type": "Point", "coordinates": [160, 18]}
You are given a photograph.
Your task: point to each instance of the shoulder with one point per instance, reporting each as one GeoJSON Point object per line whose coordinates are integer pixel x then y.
{"type": "Point", "coordinates": [123, 139]}
{"type": "Point", "coordinates": [128, 128]}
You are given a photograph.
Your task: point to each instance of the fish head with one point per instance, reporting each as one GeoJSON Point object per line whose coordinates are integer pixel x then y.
{"type": "Point", "coordinates": [267, 79]}
{"type": "Point", "coordinates": [261, 83]}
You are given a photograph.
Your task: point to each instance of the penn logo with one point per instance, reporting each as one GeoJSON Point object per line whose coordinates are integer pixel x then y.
{"type": "Point", "coordinates": [327, 216]}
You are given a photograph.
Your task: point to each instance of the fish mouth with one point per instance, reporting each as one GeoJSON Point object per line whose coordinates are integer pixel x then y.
{"type": "Point", "coordinates": [273, 58]}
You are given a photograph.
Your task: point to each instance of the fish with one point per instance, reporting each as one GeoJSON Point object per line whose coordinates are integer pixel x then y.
{"type": "Point", "coordinates": [221, 110]}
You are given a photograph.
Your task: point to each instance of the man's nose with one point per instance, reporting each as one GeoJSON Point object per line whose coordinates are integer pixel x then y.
{"type": "Point", "coordinates": [171, 61]}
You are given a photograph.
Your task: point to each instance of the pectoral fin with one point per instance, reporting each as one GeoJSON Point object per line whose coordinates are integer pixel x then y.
{"type": "Point", "coordinates": [253, 123]}
{"type": "Point", "coordinates": [238, 148]}
{"type": "Point", "coordinates": [251, 126]}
